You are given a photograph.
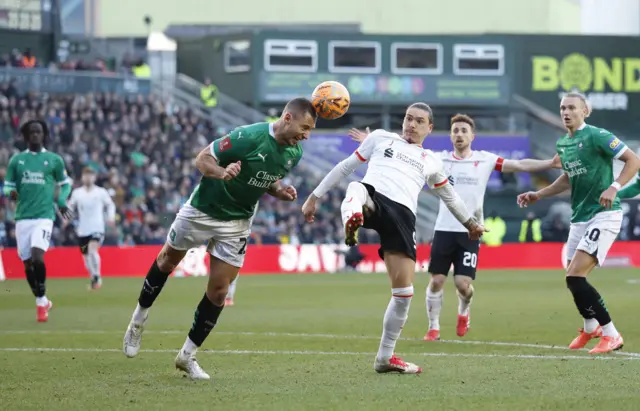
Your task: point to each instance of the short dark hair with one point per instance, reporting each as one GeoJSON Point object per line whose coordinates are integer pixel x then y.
{"type": "Point", "coordinates": [88, 170]}
{"type": "Point", "coordinates": [301, 105]}
{"type": "Point", "coordinates": [463, 118]}
{"type": "Point", "coordinates": [24, 129]}
{"type": "Point", "coordinates": [424, 107]}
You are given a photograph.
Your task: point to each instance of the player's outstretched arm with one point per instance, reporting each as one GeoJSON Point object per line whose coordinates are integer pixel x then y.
{"type": "Point", "coordinates": [559, 186]}
{"type": "Point", "coordinates": [208, 166]}
{"type": "Point", "coordinates": [343, 169]}
{"type": "Point", "coordinates": [528, 165]}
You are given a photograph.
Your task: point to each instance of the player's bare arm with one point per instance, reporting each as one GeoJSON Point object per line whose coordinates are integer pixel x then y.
{"type": "Point", "coordinates": [459, 210]}
{"type": "Point", "coordinates": [528, 165]}
{"type": "Point", "coordinates": [209, 167]}
{"type": "Point", "coordinates": [559, 186]}
{"type": "Point", "coordinates": [630, 169]}
{"type": "Point", "coordinates": [358, 135]}
{"type": "Point", "coordinates": [283, 192]}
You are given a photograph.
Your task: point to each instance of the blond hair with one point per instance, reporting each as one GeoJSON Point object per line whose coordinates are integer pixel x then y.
{"type": "Point", "coordinates": [582, 98]}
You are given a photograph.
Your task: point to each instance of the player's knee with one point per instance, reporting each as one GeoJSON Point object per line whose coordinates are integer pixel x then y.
{"type": "Point", "coordinates": [37, 256]}
{"type": "Point", "coordinates": [437, 282]}
{"type": "Point", "coordinates": [462, 282]}
{"type": "Point", "coordinates": [169, 258]}
{"type": "Point", "coordinates": [217, 291]}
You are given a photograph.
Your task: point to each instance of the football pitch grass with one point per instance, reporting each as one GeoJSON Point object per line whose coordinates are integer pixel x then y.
{"type": "Point", "coordinates": [307, 342]}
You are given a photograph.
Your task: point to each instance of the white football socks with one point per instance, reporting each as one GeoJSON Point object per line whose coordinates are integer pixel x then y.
{"type": "Point", "coordinates": [590, 325]}
{"type": "Point", "coordinates": [394, 319]}
{"type": "Point", "coordinates": [464, 303]}
{"type": "Point", "coordinates": [609, 330]}
{"type": "Point", "coordinates": [434, 306]}
{"type": "Point", "coordinates": [139, 315]}
{"type": "Point", "coordinates": [232, 288]}
{"type": "Point", "coordinates": [189, 348]}
{"type": "Point", "coordinates": [355, 197]}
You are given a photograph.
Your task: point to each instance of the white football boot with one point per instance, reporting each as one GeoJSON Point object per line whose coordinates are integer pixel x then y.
{"type": "Point", "coordinates": [189, 365]}
{"type": "Point", "coordinates": [133, 338]}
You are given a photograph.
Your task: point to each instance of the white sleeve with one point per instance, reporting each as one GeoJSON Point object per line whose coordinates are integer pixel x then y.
{"type": "Point", "coordinates": [338, 173]}
{"type": "Point", "coordinates": [368, 145]}
{"type": "Point", "coordinates": [109, 204]}
{"type": "Point", "coordinates": [437, 178]}
{"type": "Point", "coordinates": [453, 202]}
{"type": "Point", "coordinates": [497, 161]}
{"type": "Point", "coordinates": [440, 183]}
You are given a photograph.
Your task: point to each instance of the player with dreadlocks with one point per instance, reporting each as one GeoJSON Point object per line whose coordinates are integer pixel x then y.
{"type": "Point", "coordinates": [31, 181]}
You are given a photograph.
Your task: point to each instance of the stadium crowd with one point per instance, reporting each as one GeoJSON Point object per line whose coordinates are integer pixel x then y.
{"type": "Point", "coordinates": [142, 149]}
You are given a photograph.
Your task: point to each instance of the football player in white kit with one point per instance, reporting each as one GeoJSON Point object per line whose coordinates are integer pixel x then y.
{"type": "Point", "coordinates": [386, 201]}
{"type": "Point", "coordinates": [90, 202]}
{"type": "Point", "coordinates": [468, 172]}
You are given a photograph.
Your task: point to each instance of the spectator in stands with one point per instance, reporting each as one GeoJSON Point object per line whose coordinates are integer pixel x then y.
{"type": "Point", "coordinates": [555, 230]}
{"type": "Point", "coordinates": [209, 94]}
{"type": "Point", "coordinates": [142, 150]}
{"type": "Point", "coordinates": [497, 230]}
{"type": "Point", "coordinates": [530, 229]}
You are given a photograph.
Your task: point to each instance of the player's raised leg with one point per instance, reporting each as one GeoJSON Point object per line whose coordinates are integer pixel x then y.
{"type": "Point", "coordinates": [356, 199]}
{"type": "Point", "coordinates": [228, 302]}
{"type": "Point", "coordinates": [401, 270]}
{"type": "Point", "coordinates": [157, 276]}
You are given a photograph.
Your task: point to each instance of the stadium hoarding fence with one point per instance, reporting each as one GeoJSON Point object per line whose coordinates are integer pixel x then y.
{"type": "Point", "coordinates": [66, 262]}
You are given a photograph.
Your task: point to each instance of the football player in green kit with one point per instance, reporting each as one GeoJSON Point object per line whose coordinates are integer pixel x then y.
{"type": "Point", "coordinates": [236, 170]}
{"type": "Point", "coordinates": [31, 180]}
{"type": "Point", "coordinates": [587, 153]}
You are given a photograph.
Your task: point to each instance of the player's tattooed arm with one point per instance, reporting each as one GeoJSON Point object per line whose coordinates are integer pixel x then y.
{"type": "Point", "coordinates": [209, 167]}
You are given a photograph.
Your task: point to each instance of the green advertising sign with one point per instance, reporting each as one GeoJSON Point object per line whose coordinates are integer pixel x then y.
{"type": "Point", "coordinates": [605, 69]}
{"type": "Point", "coordinates": [390, 89]}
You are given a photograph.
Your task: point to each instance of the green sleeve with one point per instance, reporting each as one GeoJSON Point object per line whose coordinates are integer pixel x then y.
{"type": "Point", "coordinates": [10, 177]}
{"type": "Point", "coordinates": [236, 146]}
{"type": "Point", "coordinates": [610, 145]}
{"type": "Point", "coordinates": [630, 191]}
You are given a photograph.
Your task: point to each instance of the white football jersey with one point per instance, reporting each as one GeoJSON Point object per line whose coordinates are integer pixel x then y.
{"type": "Point", "coordinates": [469, 177]}
{"type": "Point", "coordinates": [398, 169]}
{"type": "Point", "coordinates": [90, 207]}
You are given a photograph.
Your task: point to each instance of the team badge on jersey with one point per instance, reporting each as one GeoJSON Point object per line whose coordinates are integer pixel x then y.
{"type": "Point", "coordinates": [224, 144]}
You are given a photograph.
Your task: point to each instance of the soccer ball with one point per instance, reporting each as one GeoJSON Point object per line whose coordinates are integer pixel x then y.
{"type": "Point", "coordinates": [331, 100]}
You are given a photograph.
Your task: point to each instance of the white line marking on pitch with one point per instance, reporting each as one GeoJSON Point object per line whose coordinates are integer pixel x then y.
{"type": "Point", "coordinates": [307, 335]}
{"type": "Point", "coordinates": [326, 353]}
